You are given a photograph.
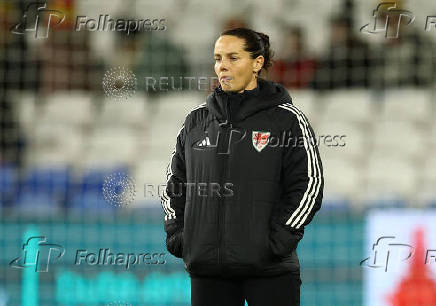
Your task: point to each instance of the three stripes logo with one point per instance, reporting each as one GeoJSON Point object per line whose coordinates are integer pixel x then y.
{"type": "Point", "coordinates": [204, 142]}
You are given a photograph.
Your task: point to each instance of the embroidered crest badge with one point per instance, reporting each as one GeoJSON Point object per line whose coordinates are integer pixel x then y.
{"type": "Point", "coordinates": [260, 140]}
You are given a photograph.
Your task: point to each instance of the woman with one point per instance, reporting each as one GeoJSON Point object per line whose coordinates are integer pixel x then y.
{"type": "Point", "coordinates": [244, 179]}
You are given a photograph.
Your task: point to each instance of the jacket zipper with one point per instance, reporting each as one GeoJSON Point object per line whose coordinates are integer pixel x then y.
{"type": "Point", "coordinates": [226, 165]}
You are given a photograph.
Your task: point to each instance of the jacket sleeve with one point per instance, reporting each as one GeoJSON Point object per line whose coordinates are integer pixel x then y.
{"type": "Point", "coordinates": [302, 187]}
{"type": "Point", "coordinates": [174, 196]}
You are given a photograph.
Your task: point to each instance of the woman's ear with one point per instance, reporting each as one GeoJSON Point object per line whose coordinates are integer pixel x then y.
{"type": "Point", "coordinates": [258, 63]}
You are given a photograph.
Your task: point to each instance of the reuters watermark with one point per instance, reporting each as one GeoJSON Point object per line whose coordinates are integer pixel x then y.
{"type": "Point", "coordinates": [120, 83]}
{"type": "Point", "coordinates": [176, 83]}
{"type": "Point", "coordinates": [119, 189]}
{"type": "Point", "coordinates": [199, 189]}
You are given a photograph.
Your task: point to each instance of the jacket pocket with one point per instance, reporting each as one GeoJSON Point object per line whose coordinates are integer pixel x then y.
{"type": "Point", "coordinates": [283, 241]}
{"type": "Point", "coordinates": [259, 231]}
{"type": "Point", "coordinates": [265, 195]}
{"type": "Point", "coordinates": [175, 244]}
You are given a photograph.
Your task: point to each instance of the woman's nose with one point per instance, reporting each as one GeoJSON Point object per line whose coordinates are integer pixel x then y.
{"type": "Point", "coordinates": [223, 66]}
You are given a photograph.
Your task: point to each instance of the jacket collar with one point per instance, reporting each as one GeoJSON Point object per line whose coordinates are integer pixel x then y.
{"type": "Point", "coordinates": [267, 94]}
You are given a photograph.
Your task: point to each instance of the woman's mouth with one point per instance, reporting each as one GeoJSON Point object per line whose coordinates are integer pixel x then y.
{"type": "Point", "coordinates": [226, 79]}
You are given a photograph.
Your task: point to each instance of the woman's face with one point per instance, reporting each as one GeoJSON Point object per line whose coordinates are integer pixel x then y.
{"type": "Point", "coordinates": [233, 66]}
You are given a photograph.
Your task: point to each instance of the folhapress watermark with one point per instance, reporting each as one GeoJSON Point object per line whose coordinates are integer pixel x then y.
{"type": "Point", "coordinates": [118, 303]}
{"type": "Point", "coordinates": [38, 19]}
{"type": "Point", "coordinates": [107, 23]}
{"type": "Point", "coordinates": [39, 254]}
{"type": "Point", "coordinates": [261, 140]}
{"type": "Point", "coordinates": [105, 257]}
{"type": "Point", "coordinates": [388, 18]}
{"type": "Point", "coordinates": [383, 253]}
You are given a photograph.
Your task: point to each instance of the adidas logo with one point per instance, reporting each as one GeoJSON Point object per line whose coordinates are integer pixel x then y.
{"type": "Point", "coordinates": [204, 142]}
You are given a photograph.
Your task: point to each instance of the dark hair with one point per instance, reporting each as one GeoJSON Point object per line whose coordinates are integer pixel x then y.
{"type": "Point", "coordinates": [256, 43]}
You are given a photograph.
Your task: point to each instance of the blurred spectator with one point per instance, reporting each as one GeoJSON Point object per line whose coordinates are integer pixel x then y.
{"type": "Point", "coordinates": [18, 66]}
{"type": "Point", "coordinates": [347, 64]}
{"type": "Point", "coordinates": [67, 62]}
{"type": "Point", "coordinates": [295, 68]}
{"type": "Point", "coordinates": [234, 22]}
{"type": "Point", "coordinates": [406, 55]}
{"type": "Point", "coordinates": [17, 72]}
{"type": "Point", "coordinates": [159, 64]}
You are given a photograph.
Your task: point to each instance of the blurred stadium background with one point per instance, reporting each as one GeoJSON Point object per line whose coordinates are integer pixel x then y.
{"type": "Point", "coordinates": [61, 137]}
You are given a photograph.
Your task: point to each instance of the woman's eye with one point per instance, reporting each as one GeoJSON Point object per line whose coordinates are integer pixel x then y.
{"type": "Point", "coordinates": [233, 58]}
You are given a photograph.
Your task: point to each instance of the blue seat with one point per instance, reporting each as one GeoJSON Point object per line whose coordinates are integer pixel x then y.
{"type": "Point", "coordinates": [8, 184]}
{"type": "Point", "coordinates": [388, 202]}
{"type": "Point", "coordinates": [87, 192]}
{"type": "Point", "coordinates": [93, 179]}
{"type": "Point", "coordinates": [41, 204]}
{"type": "Point", "coordinates": [90, 202]}
{"type": "Point", "coordinates": [53, 182]}
{"type": "Point", "coordinates": [432, 203]}
{"type": "Point", "coordinates": [335, 204]}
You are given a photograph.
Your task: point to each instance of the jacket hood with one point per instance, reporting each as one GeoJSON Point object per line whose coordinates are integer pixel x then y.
{"type": "Point", "coordinates": [267, 94]}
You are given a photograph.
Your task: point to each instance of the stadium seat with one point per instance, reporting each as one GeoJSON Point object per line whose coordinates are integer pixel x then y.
{"type": "Point", "coordinates": [412, 105]}
{"type": "Point", "coordinates": [8, 184]}
{"type": "Point", "coordinates": [335, 204]}
{"type": "Point", "coordinates": [91, 201]}
{"type": "Point", "coordinates": [106, 147]}
{"type": "Point", "coordinates": [432, 137]}
{"type": "Point", "coordinates": [401, 139]}
{"type": "Point", "coordinates": [92, 179]}
{"type": "Point", "coordinates": [390, 179]}
{"type": "Point", "coordinates": [353, 106]}
{"type": "Point", "coordinates": [38, 204]}
{"type": "Point", "coordinates": [133, 112]}
{"type": "Point", "coordinates": [150, 175]}
{"type": "Point", "coordinates": [52, 180]}
{"type": "Point", "coordinates": [341, 140]}
{"type": "Point", "coordinates": [305, 101]}
{"type": "Point", "coordinates": [54, 143]}
{"type": "Point", "coordinates": [69, 108]}
{"type": "Point", "coordinates": [26, 109]}
{"type": "Point", "coordinates": [50, 184]}
{"type": "Point", "coordinates": [178, 103]}
{"type": "Point", "coordinates": [162, 134]}
{"type": "Point", "coordinates": [342, 178]}
{"type": "Point", "coordinates": [427, 190]}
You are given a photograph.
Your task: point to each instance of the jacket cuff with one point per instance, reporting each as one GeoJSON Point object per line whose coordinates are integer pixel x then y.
{"type": "Point", "coordinates": [283, 241]}
{"type": "Point", "coordinates": [174, 244]}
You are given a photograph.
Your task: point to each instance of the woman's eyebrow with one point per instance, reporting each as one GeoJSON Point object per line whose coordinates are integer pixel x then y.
{"type": "Point", "coordinates": [231, 53]}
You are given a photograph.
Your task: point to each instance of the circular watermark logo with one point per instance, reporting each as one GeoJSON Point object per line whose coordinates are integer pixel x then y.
{"type": "Point", "coordinates": [118, 303]}
{"type": "Point", "coordinates": [119, 83]}
{"type": "Point", "coordinates": [119, 189]}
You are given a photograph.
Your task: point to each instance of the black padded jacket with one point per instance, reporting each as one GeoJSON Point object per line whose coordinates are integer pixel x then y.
{"type": "Point", "coordinates": [243, 181]}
